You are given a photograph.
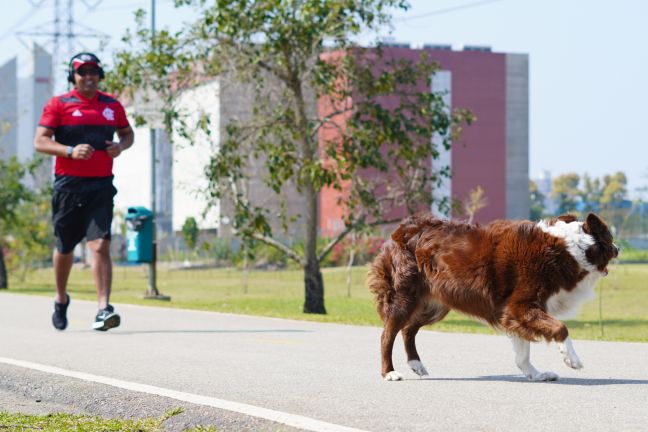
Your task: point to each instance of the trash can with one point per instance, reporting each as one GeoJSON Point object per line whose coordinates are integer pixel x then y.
{"type": "Point", "coordinates": [139, 235]}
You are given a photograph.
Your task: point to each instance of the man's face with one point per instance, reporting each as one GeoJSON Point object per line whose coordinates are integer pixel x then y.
{"type": "Point", "coordinates": [86, 78]}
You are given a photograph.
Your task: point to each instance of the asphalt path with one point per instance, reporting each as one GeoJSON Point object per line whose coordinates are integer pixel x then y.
{"type": "Point", "coordinates": [312, 376]}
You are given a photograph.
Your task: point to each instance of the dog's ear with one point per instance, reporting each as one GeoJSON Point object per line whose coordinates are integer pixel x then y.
{"type": "Point", "coordinates": [568, 218]}
{"type": "Point", "coordinates": [593, 224]}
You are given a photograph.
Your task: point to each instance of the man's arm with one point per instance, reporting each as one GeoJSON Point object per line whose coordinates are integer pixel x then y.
{"type": "Point", "coordinates": [44, 143]}
{"type": "Point", "coordinates": [126, 138]}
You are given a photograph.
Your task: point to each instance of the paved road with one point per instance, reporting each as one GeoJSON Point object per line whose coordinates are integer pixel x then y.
{"type": "Point", "coordinates": [329, 373]}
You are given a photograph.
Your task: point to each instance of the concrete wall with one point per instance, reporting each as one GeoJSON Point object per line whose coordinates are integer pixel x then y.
{"type": "Point", "coordinates": [236, 104]}
{"type": "Point", "coordinates": [517, 136]}
{"type": "Point", "coordinates": [8, 110]}
{"type": "Point", "coordinates": [42, 92]}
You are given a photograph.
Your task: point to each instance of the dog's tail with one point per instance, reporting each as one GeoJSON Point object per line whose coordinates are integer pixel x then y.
{"type": "Point", "coordinates": [380, 281]}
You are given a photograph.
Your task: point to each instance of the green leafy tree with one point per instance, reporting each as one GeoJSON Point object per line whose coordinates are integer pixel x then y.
{"type": "Point", "coordinates": [190, 233]}
{"type": "Point", "coordinates": [591, 194]}
{"type": "Point", "coordinates": [292, 54]}
{"type": "Point", "coordinates": [566, 193]}
{"type": "Point", "coordinates": [31, 235]}
{"type": "Point", "coordinates": [614, 189]}
{"type": "Point", "coordinates": [612, 198]}
{"type": "Point", "coordinates": [537, 209]}
{"type": "Point", "coordinates": [13, 193]}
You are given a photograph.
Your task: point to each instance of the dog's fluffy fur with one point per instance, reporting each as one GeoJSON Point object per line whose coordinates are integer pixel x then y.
{"type": "Point", "coordinates": [516, 276]}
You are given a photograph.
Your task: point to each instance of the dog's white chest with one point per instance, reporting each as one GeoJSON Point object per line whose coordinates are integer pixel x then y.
{"type": "Point", "coordinates": [566, 304]}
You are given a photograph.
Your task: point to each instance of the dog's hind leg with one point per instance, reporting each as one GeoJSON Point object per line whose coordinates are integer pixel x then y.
{"type": "Point", "coordinates": [522, 350]}
{"type": "Point", "coordinates": [434, 313]}
{"type": "Point", "coordinates": [393, 324]}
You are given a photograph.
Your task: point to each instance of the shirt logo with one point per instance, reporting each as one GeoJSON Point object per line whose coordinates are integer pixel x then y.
{"type": "Point", "coordinates": [77, 113]}
{"type": "Point", "coordinates": [108, 114]}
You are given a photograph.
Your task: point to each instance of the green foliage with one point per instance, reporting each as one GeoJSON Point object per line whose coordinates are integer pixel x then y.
{"type": "Point", "coordinates": [13, 190]}
{"type": "Point", "coordinates": [31, 239]}
{"type": "Point", "coordinates": [565, 192]}
{"type": "Point", "coordinates": [190, 232]}
{"type": "Point", "coordinates": [291, 55]}
{"type": "Point", "coordinates": [537, 208]}
{"type": "Point", "coordinates": [14, 198]}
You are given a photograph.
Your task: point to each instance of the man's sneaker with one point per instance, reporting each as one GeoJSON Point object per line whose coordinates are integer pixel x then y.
{"type": "Point", "coordinates": [106, 319]}
{"type": "Point", "coordinates": [59, 317]}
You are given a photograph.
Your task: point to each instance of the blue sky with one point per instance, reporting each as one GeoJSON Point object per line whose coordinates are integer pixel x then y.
{"type": "Point", "coordinates": [588, 65]}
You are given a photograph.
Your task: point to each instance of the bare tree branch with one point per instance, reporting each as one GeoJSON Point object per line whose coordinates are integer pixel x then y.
{"type": "Point", "coordinates": [290, 253]}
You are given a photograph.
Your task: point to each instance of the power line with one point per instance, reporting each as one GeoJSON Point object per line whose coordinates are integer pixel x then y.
{"type": "Point", "coordinates": [446, 10]}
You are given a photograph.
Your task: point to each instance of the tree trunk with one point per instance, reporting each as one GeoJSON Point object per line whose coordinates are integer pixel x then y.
{"type": "Point", "coordinates": [314, 290]}
{"type": "Point", "coordinates": [4, 282]}
{"type": "Point", "coordinates": [313, 283]}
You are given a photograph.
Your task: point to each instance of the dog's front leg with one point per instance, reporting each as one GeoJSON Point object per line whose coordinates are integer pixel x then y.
{"type": "Point", "coordinates": [522, 349]}
{"type": "Point", "coordinates": [570, 357]}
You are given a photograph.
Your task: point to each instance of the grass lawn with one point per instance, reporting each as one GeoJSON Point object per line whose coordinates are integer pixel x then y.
{"type": "Point", "coordinates": [624, 297]}
{"type": "Point", "coordinates": [61, 422]}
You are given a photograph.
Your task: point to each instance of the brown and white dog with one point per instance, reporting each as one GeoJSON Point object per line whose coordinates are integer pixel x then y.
{"type": "Point", "coordinates": [517, 276]}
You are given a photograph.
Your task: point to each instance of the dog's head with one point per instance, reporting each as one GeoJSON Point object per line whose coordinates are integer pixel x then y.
{"type": "Point", "coordinates": [603, 250]}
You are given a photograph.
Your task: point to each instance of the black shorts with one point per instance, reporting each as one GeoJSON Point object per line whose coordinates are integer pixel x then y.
{"type": "Point", "coordinates": [78, 215]}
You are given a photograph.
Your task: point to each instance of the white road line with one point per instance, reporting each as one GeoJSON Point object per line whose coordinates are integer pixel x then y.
{"type": "Point", "coordinates": [293, 420]}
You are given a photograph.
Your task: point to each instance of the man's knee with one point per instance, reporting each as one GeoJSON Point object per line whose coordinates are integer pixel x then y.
{"type": "Point", "coordinates": [99, 246]}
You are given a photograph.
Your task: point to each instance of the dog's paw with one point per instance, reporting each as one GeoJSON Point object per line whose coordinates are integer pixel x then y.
{"type": "Point", "coordinates": [542, 376]}
{"type": "Point", "coordinates": [570, 357]}
{"type": "Point", "coordinates": [573, 362]}
{"type": "Point", "coordinates": [418, 368]}
{"type": "Point", "coordinates": [393, 376]}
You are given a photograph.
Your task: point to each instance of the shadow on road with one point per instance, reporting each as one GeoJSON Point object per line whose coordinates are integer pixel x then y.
{"type": "Point", "coordinates": [561, 381]}
{"type": "Point", "coordinates": [198, 331]}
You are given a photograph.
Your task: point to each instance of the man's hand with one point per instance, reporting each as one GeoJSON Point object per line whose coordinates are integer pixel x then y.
{"type": "Point", "coordinates": [114, 149]}
{"type": "Point", "coordinates": [82, 151]}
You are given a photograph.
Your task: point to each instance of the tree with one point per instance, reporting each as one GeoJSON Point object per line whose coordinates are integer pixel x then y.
{"type": "Point", "coordinates": [565, 191]}
{"type": "Point", "coordinates": [190, 233]}
{"type": "Point", "coordinates": [13, 193]}
{"type": "Point", "coordinates": [31, 238]}
{"type": "Point", "coordinates": [537, 208]}
{"type": "Point", "coordinates": [612, 198]}
{"type": "Point", "coordinates": [591, 194]}
{"type": "Point", "coordinates": [292, 54]}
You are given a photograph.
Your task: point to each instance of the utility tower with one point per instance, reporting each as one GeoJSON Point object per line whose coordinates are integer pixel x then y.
{"type": "Point", "coordinates": [63, 36]}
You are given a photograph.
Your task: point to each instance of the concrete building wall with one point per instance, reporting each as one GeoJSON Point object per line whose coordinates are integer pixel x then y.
{"type": "Point", "coordinates": [236, 104]}
{"type": "Point", "coordinates": [164, 193]}
{"type": "Point", "coordinates": [517, 136]}
{"type": "Point", "coordinates": [8, 110]}
{"type": "Point", "coordinates": [191, 157]}
{"type": "Point", "coordinates": [42, 92]}
{"type": "Point", "coordinates": [442, 83]}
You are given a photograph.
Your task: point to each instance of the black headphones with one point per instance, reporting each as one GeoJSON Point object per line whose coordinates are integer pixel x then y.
{"type": "Point", "coordinates": [85, 57]}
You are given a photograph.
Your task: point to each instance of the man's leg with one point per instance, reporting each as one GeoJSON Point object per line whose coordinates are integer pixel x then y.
{"type": "Point", "coordinates": [62, 267]}
{"type": "Point", "coordinates": [101, 269]}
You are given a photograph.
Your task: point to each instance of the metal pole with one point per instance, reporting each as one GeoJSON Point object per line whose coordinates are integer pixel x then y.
{"type": "Point", "coordinates": [152, 291]}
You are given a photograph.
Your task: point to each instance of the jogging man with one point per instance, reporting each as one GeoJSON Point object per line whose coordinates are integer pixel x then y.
{"type": "Point", "coordinates": [78, 128]}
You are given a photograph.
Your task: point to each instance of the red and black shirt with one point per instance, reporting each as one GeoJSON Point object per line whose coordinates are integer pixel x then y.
{"type": "Point", "coordinates": [78, 120]}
